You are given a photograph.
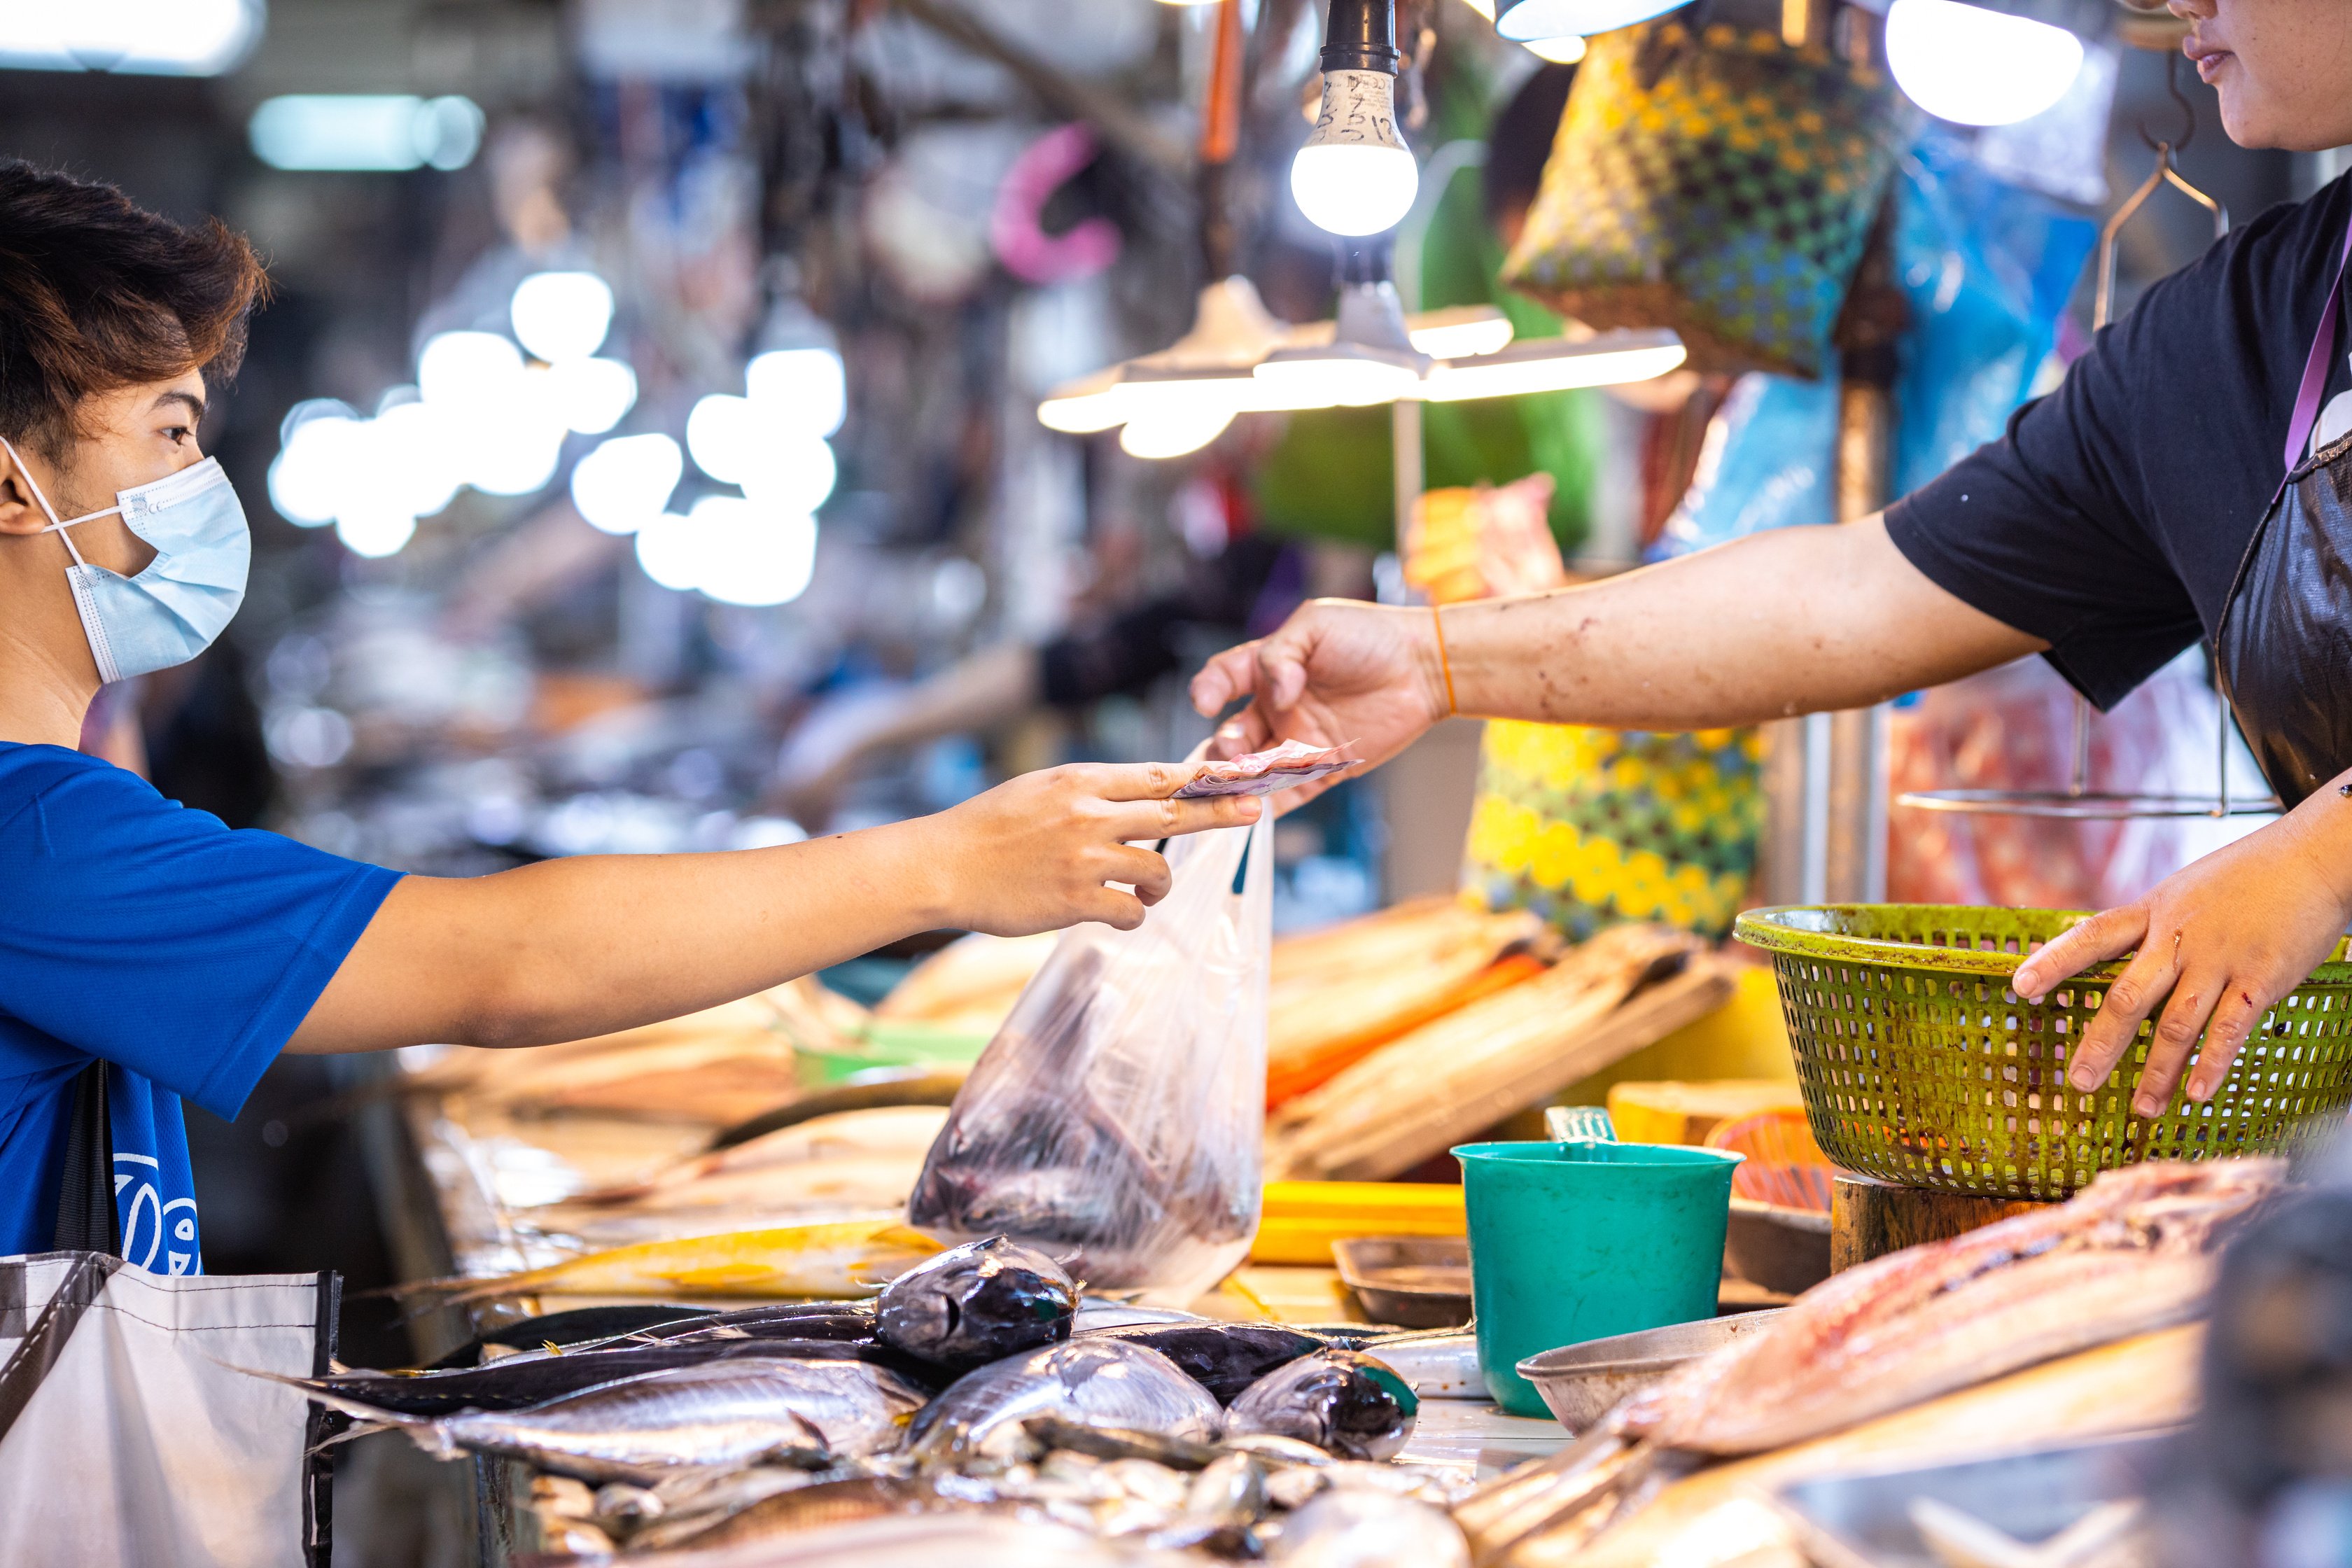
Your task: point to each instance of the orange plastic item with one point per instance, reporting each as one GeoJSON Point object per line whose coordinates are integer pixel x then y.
{"type": "Point", "coordinates": [1784, 1165]}
{"type": "Point", "coordinates": [1290, 1076]}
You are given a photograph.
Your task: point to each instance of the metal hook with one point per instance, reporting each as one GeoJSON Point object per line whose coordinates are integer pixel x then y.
{"type": "Point", "coordinates": [2188, 109]}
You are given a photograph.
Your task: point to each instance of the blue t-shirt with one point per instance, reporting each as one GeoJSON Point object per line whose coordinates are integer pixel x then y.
{"type": "Point", "coordinates": [138, 931]}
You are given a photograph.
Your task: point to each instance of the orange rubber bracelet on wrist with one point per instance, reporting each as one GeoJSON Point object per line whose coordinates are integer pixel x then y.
{"type": "Point", "coordinates": [1443, 666]}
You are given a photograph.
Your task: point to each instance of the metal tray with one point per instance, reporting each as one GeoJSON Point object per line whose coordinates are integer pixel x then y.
{"type": "Point", "coordinates": [1862, 1519]}
{"type": "Point", "coordinates": [1782, 1249]}
{"type": "Point", "coordinates": [1580, 1382]}
{"type": "Point", "coordinates": [1413, 1281]}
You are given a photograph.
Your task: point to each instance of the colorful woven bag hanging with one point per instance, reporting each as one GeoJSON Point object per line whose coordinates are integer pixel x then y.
{"type": "Point", "coordinates": [1710, 178]}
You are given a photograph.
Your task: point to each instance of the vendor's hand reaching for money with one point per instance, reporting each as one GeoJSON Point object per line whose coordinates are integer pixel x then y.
{"type": "Point", "coordinates": [2216, 944]}
{"type": "Point", "coordinates": [1338, 672]}
{"type": "Point", "coordinates": [1035, 853]}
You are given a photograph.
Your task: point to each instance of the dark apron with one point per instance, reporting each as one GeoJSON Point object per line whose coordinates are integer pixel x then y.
{"type": "Point", "coordinates": [2285, 642]}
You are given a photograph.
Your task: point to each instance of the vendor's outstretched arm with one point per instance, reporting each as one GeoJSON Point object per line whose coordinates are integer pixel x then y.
{"type": "Point", "coordinates": [570, 949]}
{"type": "Point", "coordinates": [1790, 622]}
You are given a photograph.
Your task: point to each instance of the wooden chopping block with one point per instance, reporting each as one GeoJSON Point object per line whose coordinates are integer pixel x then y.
{"type": "Point", "coordinates": [1870, 1218]}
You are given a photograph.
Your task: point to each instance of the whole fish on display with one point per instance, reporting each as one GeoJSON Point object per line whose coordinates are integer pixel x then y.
{"type": "Point", "coordinates": [517, 1383]}
{"type": "Point", "coordinates": [977, 1303]}
{"type": "Point", "coordinates": [855, 1257]}
{"type": "Point", "coordinates": [578, 1326]}
{"type": "Point", "coordinates": [1223, 1358]}
{"type": "Point", "coordinates": [1096, 1381]}
{"type": "Point", "coordinates": [725, 1414]}
{"type": "Point", "coordinates": [1343, 1402]}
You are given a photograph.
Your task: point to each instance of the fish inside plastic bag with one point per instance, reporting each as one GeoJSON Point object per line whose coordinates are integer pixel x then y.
{"type": "Point", "coordinates": [1116, 1120]}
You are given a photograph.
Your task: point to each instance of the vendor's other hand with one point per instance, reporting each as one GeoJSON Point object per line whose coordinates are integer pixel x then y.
{"type": "Point", "coordinates": [1035, 853]}
{"type": "Point", "coordinates": [1338, 672]}
{"type": "Point", "coordinates": [2223, 938]}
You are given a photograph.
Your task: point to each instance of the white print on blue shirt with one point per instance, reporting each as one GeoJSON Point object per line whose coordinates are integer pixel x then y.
{"type": "Point", "coordinates": [158, 1237]}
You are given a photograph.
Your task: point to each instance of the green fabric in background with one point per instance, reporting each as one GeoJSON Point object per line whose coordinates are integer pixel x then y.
{"type": "Point", "coordinates": [1330, 475]}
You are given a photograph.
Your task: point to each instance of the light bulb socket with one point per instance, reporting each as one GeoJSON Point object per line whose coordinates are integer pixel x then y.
{"type": "Point", "coordinates": [1360, 35]}
{"type": "Point", "coordinates": [1363, 260]}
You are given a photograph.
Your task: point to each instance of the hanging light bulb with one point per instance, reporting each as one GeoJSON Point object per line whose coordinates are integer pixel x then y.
{"type": "Point", "coordinates": [1173, 433]}
{"type": "Point", "coordinates": [1555, 364]}
{"type": "Point", "coordinates": [1976, 66]}
{"type": "Point", "coordinates": [1369, 359]}
{"type": "Point", "coordinates": [1560, 51]}
{"type": "Point", "coordinates": [1542, 21]}
{"type": "Point", "coordinates": [1355, 175]}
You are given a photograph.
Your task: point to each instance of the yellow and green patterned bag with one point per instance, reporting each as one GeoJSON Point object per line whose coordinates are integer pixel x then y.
{"type": "Point", "coordinates": [1709, 178]}
{"type": "Point", "coordinates": [1593, 827]}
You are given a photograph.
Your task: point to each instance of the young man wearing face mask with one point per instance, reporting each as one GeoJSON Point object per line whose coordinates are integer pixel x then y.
{"type": "Point", "coordinates": [148, 953]}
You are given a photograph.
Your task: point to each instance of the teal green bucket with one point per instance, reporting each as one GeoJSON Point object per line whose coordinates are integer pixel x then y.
{"type": "Point", "coordinates": [1572, 1242]}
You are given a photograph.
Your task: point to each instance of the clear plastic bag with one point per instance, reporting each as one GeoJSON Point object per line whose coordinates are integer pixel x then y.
{"type": "Point", "coordinates": [1117, 1119]}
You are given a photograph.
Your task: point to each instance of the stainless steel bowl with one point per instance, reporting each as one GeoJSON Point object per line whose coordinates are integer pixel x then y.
{"type": "Point", "coordinates": [1580, 1382]}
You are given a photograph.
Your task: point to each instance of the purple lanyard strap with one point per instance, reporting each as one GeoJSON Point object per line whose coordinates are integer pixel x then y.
{"type": "Point", "coordinates": [2314, 370]}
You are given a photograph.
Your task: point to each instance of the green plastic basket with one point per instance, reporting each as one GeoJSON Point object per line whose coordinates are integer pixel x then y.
{"type": "Point", "coordinates": [1920, 1066]}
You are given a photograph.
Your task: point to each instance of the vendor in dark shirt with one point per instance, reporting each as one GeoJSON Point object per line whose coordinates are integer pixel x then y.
{"type": "Point", "coordinates": [2186, 481]}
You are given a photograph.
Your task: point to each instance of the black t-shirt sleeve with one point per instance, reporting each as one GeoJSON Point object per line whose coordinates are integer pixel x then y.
{"type": "Point", "coordinates": [2047, 530]}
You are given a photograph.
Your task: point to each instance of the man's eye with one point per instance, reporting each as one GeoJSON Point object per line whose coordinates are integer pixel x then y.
{"type": "Point", "coordinates": [179, 435]}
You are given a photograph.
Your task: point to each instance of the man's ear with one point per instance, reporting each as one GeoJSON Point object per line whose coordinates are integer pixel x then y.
{"type": "Point", "coordinates": [19, 512]}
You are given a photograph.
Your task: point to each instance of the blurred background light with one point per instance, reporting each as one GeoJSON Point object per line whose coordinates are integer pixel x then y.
{"type": "Point", "coordinates": [668, 552]}
{"type": "Point", "coordinates": [722, 435]}
{"type": "Point", "coordinates": [1976, 67]}
{"type": "Point", "coordinates": [792, 473]}
{"type": "Point", "coordinates": [375, 532]}
{"type": "Point", "coordinates": [804, 389]}
{"type": "Point", "coordinates": [383, 133]}
{"type": "Point", "coordinates": [592, 396]}
{"type": "Point", "coordinates": [624, 483]}
{"type": "Point", "coordinates": [139, 37]}
{"type": "Point", "coordinates": [561, 316]}
{"type": "Point", "coordinates": [750, 553]}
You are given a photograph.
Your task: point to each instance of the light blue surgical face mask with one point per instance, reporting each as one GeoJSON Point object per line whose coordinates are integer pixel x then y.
{"type": "Point", "coordinates": [173, 609]}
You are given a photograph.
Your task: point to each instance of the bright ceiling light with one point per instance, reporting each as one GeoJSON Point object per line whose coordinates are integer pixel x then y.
{"type": "Point", "coordinates": [1535, 21]}
{"type": "Point", "coordinates": [375, 532]}
{"type": "Point", "coordinates": [592, 394]}
{"type": "Point", "coordinates": [1173, 433]}
{"type": "Point", "coordinates": [750, 553]}
{"type": "Point", "coordinates": [1370, 357]}
{"type": "Point", "coordinates": [467, 372]}
{"type": "Point", "coordinates": [1561, 51]}
{"type": "Point", "coordinates": [624, 483]}
{"type": "Point", "coordinates": [670, 551]}
{"type": "Point", "coordinates": [1084, 406]}
{"type": "Point", "coordinates": [793, 474]}
{"type": "Point", "coordinates": [413, 465]}
{"type": "Point", "coordinates": [1459, 329]}
{"type": "Point", "coordinates": [1979, 67]}
{"type": "Point", "coordinates": [561, 316]}
{"type": "Point", "coordinates": [803, 389]}
{"type": "Point", "coordinates": [1483, 7]}
{"type": "Point", "coordinates": [140, 37]}
{"type": "Point", "coordinates": [1555, 364]}
{"type": "Point", "coordinates": [1335, 378]}
{"type": "Point", "coordinates": [722, 432]}
{"type": "Point", "coordinates": [306, 478]}
{"type": "Point", "coordinates": [380, 133]}
{"type": "Point", "coordinates": [1355, 175]}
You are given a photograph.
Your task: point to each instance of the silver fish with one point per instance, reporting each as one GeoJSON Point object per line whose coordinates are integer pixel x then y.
{"type": "Point", "coordinates": [722, 1414]}
{"type": "Point", "coordinates": [1440, 1364]}
{"type": "Point", "coordinates": [1100, 1382]}
{"type": "Point", "coordinates": [1343, 1402]}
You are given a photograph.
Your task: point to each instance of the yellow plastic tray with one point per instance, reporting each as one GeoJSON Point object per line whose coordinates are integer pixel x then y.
{"type": "Point", "coordinates": [1300, 1220]}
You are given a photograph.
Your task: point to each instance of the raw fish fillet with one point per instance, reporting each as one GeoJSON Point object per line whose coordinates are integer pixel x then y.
{"type": "Point", "coordinates": [2136, 1250]}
